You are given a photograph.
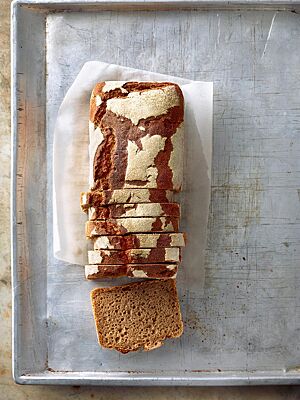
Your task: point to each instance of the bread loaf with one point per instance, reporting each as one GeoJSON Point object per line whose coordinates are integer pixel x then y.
{"type": "Point", "coordinates": [140, 315]}
{"type": "Point", "coordinates": [139, 240]}
{"type": "Point", "coordinates": [136, 136]}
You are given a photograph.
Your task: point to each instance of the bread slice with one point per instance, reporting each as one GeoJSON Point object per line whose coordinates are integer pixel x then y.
{"type": "Point", "coordinates": [139, 240]}
{"type": "Point", "coordinates": [136, 316]}
{"type": "Point", "coordinates": [121, 226]}
{"type": "Point", "coordinates": [153, 271]}
{"type": "Point", "coordinates": [134, 210]}
{"type": "Point", "coordinates": [97, 198]}
{"type": "Point", "coordinates": [133, 256]}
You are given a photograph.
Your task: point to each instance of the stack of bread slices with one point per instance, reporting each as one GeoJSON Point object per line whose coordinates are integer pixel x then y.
{"type": "Point", "coordinates": [136, 168]}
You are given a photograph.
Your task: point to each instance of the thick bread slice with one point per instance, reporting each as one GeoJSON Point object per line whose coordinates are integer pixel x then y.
{"type": "Point", "coordinates": [153, 271]}
{"type": "Point", "coordinates": [139, 240]}
{"type": "Point", "coordinates": [97, 198]}
{"type": "Point", "coordinates": [134, 210]}
{"type": "Point", "coordinates": [121, 226]}
{"type": "Point", "coordinates": [133, 256]}
{"type": "Point", "coordinates": [136, 136]}
{"type": "Point", "coordinates": [139, 315]}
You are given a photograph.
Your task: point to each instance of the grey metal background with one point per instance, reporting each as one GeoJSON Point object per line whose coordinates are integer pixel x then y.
{"type": "Point", "coordinates": [243, 327]}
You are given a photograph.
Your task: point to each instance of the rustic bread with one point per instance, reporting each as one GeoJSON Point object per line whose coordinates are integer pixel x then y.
{"type": "Point", "coordinates": [97, 198]}
{"type": "Point", "coordinates": [121, 226]}
{"type": "Point", "coordinates": [134, 210]}
{"type": "Point", "coordinates": [136, 135]}
{"type": "Point", "coordinates": [133, 256]}
{"type": "Point", "coordinates": [139, 240]}
{"type": "Point", "coordinates": [136, 316]}
{"type": "Point", "coordinates": [153, 271]}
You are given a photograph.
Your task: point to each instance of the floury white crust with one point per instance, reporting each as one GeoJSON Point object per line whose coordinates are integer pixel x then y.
{"type": "Point", "coordinates": [142, 105]}
{"type": "Point", "coordinates": [142, 128]}
{"type": "Point", "coordinates": [96, 138]}
{"type": "Point", "coordinates": [141, 240]}
{"type": "Point", "coordinates": [141, 162]}
{"type": "Point", "coordinates": [133, 256]}
{"type": "Point", "coordinates": [112, 85]}
{"type": "Point", "coordinates": [122, 196]}
{"type": "Point", "coordinates": [133, 210]}
{"type": "Point", "coordinates": [119, 226]}
{"type": "Point", "coordinates": [151, 271]}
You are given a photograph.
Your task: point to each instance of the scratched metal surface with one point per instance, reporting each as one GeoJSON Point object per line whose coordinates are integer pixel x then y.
{"type": "Point", "coordinates": [244, 325]}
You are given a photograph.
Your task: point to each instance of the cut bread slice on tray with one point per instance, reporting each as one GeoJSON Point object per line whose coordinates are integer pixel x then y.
{"type": "Point", "coordinates": [134, 210]}
{"type": "Point", "coordinates": [138, 315]}
{"type": "Point", "coordinates": [139, 240]}
{"type": "Point", "coordinates": [133, 256]}
{"type": "Point", "coordinates": [121, 226]}
{"type": "Point", "coordinates": [153, 271]}
{"type": "Point", "coordinates": [97, 198]}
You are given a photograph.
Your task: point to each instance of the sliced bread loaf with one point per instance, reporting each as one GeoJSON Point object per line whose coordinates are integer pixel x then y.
{"type": "Point", "coordinates": [136, 316]}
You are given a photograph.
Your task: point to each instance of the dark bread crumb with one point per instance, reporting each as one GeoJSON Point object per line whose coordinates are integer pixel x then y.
{"type": "Point", "coordinates": [136, 316]}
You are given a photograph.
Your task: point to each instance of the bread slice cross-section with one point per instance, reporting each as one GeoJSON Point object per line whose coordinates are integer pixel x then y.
{"type": "Point", "coordinates": [139, 315]}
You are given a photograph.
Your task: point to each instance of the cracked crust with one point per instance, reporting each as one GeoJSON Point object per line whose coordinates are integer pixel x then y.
{"type": "Point", "coordinates": [122, 226]}
{"type": "Point", "coordinates": [97, 198]}
{"type": "Point", "coordinates": [134, 210]}
{"type": "Point", "coordinates": [139, 240]}
{"type": "Point", "coordinates": [134, 256]}
{"type": "Point", "coordinates": [139, 126]}
{"type": "Point", "coordinates": [147, 271]}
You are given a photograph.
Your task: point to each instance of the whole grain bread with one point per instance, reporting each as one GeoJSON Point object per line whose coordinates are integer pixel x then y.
{"type": "Point", "coordinates": [97, 198]}
{"type": "Point", "coordinates": [136, 316]}
{"type": "Point", "coordinates": [121, 226]}
{"type": "Point", "coordinates": [133, 256]}
{"type": "Point", "coordinates": [139, 240]}
{"type": "Point", "coordinates": [136, 135]}
{"type": "Point", "coordinates": [134, 210]}
{"type": "Point", "coordinates": [153, 271]}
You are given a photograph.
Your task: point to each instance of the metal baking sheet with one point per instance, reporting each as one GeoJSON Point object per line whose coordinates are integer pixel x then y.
{"type": "Point", "coordinates": [243, 327]}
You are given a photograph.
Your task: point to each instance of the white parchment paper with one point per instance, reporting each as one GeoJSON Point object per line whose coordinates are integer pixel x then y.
{"type": "Point", "coordinates": [71, 162]}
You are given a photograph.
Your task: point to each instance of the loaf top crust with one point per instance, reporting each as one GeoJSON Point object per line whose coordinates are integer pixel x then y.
{"type": "Point", "coordinates": [136, 135]}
